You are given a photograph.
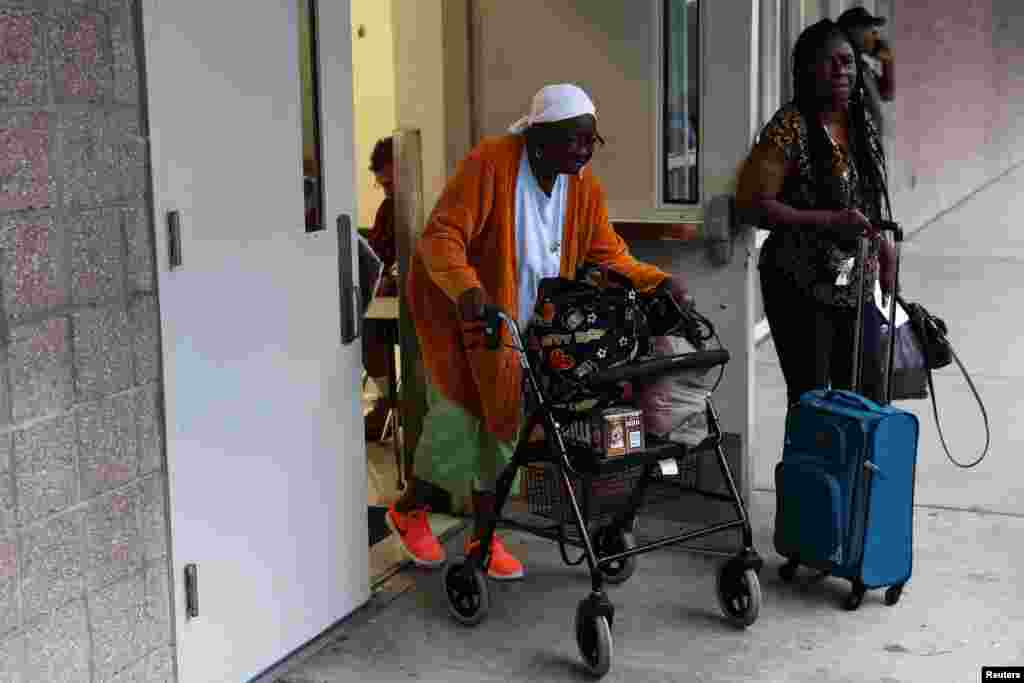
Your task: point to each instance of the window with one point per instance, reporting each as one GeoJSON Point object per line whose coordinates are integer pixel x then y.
{"type": "Point", "coordinates": [309, 60]}
{"type": "Point", "coordinates": [681, 122]}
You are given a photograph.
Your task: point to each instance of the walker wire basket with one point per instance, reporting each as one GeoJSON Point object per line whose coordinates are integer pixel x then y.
{"type": "Point", "coordinates": [601, 497]}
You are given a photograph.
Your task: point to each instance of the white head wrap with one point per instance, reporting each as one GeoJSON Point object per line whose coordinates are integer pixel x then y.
{"type": "Point", "coordinates": [555, 103]}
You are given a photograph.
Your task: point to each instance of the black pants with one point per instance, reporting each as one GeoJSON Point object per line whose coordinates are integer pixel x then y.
{"type": "Point", "coordinates": [376, 346]}
{"type": "Point", "coordinates": [814, 341]}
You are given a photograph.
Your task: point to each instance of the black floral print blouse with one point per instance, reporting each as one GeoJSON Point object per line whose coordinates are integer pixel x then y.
{"type": "Point", "coordinates": [807, 255]}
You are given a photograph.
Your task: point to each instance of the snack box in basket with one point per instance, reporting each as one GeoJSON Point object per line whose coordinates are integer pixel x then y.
{"type": "Point", "coordinates": [614, 432]}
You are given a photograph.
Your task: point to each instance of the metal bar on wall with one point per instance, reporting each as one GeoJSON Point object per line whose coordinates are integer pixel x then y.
{"type": "Point", "coordinates": [725, 28]}
{"type": "Point", "coordinates": [791, 25]}
{"type": "Point", "coordinates": [774, 75]}
{"type": "Point", "coordinates": [772, 71]}
{"type": "Point", "coordinates": [409, 220]}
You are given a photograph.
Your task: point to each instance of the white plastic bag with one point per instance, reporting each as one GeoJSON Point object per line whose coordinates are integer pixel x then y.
{"type": "Point", "coordinates": [675, 405]}
{"type": "Point", "coordinates": [910, 372]}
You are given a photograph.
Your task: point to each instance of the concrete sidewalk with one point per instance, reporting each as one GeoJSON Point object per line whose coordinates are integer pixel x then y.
{"type": "Point", "coordinates": [963, 608]}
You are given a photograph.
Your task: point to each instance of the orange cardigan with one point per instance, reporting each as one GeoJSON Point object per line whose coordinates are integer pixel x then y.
{"type": "Point", "coordinates": [470, 241]}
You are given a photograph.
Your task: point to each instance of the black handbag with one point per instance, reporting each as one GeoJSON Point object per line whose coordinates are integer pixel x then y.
{"type": "Point", "coordinates": [667, 318]}
{"type": "Point", "coordinates": [931, 332]}
{"type": "Point", "coordinates": [938, 352]}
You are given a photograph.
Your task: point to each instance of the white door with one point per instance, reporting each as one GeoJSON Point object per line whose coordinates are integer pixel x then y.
{"type": "Point", "coordinates": [266, 457]}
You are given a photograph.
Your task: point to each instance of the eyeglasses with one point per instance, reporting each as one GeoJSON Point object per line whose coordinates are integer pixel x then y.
{"type": "Point", "coordinates": [580, 140]}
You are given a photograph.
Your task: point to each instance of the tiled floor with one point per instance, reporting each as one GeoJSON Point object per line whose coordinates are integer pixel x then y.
{"type": "Point", "coordinates": [386, 557]}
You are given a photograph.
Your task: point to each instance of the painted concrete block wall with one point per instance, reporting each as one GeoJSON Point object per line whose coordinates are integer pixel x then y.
{"type": "Point", "coordinates": [84, 578]}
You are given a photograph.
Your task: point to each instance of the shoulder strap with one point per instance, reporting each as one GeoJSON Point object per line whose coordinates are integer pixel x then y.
{"type": "Point", "coordinates": [938, 425]}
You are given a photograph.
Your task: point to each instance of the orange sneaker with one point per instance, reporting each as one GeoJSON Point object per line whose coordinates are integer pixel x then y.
{"type": "Point", "coordinates": [503, 566]}
{"type": "Point", "coordinates": [418, 541]}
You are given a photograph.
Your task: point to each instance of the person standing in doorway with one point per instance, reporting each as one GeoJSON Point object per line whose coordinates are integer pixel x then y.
{"type": "Point", "coordinates": [376, 341]}
{"type": "Point", "coordinates": [876, 57]}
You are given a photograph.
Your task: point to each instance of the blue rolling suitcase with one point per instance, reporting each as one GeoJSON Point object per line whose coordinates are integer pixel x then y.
{"type": "Point", "coordinates": [845, 486]}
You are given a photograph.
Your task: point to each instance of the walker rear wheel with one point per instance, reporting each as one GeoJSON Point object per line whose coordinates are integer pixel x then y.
{"type": "Point", "coordinates": [610, 541]}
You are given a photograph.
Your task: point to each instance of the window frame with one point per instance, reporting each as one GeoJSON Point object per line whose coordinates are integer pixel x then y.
{"type": "Point", "coordinates": [689, 210]}
{"type": "Point", "coordinates": [312, 10]}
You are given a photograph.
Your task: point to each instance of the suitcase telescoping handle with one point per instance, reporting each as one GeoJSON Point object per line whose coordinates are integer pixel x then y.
{"type": "Point", "coordinates": [858, 339]}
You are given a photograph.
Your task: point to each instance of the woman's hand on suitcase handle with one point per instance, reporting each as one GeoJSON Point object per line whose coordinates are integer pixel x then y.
{"type": "Point", "coordinates": [852, 223]}
{"type": "Point", "coordinates": [886, 268]}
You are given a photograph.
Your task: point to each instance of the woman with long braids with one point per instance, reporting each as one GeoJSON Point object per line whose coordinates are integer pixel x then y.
{"type": "Point", "coordinates": [816, 179]}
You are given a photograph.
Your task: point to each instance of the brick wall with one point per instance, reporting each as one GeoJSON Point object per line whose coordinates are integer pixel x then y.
{"type": "Point", "coordinates": [84, 572]}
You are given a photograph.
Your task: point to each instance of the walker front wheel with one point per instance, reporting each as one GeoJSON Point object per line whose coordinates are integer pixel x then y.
{"type": "Point", "coordinates": [594, 639]}
{"type": "Point", "coordinates": [465, 587]}
{"type": "Point", "coordinates": [739, 595]}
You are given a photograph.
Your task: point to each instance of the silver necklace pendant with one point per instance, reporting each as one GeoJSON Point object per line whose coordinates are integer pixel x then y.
{"type": "Point", "coordinates": [555, 246]}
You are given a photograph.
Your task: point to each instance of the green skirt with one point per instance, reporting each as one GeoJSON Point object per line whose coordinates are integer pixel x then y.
{"type": "Point", "coordinates": [455, 451]}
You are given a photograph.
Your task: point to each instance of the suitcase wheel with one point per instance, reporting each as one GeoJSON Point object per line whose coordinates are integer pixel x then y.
{"type": "Point", "coordinates": [893, 593]}
{"type": "Point", "coordinates": [787, 572]}
{"type": "Point", "coordinates": [855, 597]}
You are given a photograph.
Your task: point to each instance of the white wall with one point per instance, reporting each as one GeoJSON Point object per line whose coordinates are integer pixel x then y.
{"type": "Point", "coordinates": [420, 86]}
{"type": "Point", "coordinates": [604, 47]}
{"type": "Point", "coordinates": [373, 83]}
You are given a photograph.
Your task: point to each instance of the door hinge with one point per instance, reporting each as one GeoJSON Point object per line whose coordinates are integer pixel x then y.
{"type": "Point", "coordinates": [191, 591]}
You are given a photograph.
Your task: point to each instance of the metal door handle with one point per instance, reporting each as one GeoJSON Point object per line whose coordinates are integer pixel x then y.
{"type": "Point", "coordinates": [348, 290]}
{"type": "Point", "coordinates": [174, 239]}
{"type": "Point", "coordinates": [191, 591]}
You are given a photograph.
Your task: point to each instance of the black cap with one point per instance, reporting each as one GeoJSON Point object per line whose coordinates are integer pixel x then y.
{"type": "Point", "coordinates": [858, 16]}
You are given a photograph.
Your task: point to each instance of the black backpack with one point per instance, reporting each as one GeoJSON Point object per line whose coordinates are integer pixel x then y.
{"type": "Point", "coordinates": [581, 326]}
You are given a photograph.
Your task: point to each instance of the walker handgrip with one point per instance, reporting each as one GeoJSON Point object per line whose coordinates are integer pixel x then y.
{"type": "Point", "coordinates": [699, 360]}
{"type": "Point", "coordinates": [492, 326]}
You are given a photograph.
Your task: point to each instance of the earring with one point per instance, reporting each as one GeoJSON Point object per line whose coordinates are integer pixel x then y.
{"type": "Point", "coordinates": [538, 154]}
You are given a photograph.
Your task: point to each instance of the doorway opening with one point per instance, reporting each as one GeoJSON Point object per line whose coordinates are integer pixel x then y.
{"type": "Point", "coordinates": [375, 105]}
